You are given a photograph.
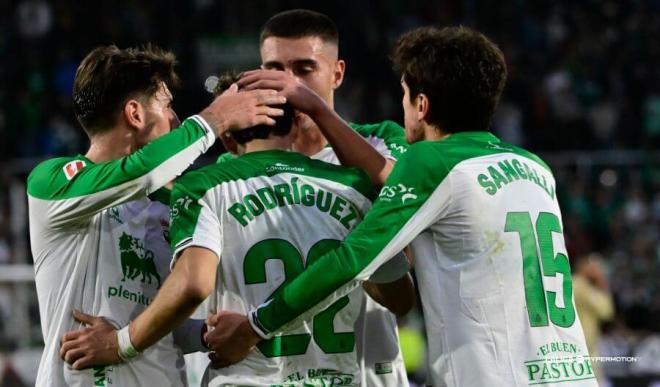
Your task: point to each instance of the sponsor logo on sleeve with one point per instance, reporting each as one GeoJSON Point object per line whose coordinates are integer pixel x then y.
{"type": "Point", "coordinates": [179, 204]}
{"type": "Point", "coordinates": [72, 168]}
{"type": "Point", "coordinates": [390, 192]}
{"type": "Point", "coordinates": [398, 148]}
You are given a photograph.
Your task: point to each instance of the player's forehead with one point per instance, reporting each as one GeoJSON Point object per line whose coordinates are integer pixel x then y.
{"type": "Point", "coordinates": [287, 51]}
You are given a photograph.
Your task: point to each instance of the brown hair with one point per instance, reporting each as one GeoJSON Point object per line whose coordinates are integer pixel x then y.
{"type": "Point", "coordinates": [460, 71]}
{"type": "Point", "coordinates": [109, 76]}
{"type": "Point", "coordinates": [300, 23]}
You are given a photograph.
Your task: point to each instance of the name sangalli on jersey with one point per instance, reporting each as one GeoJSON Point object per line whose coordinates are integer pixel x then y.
{"type": "Point", "coordinates": [509, 171]}
{"type": "Point", "coordinates": [292, 193]}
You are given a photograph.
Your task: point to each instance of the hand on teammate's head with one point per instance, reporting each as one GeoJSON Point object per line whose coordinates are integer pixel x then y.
{"type": "Point", "coordinates": [234, 110]}
{"type": "Point", "coordinates": [301, 97]}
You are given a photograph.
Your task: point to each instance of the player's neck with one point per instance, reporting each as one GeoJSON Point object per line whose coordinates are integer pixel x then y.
{"type": "Point", "coordinates": [111, 145]}
{"type": "Point", "coordinates": [432, 133]}
{"type": "Point", "coordinates": [270, 143]}
{"type": "Point", "coordinates": [309, 141]}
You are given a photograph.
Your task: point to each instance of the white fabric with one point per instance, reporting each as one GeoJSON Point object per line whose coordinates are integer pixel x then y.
{"type": "Point", "coordinates": [72, 277]}
{"type": "Point", "coordinates": [376, 327]}
{"type": "Point", "coordinates": [303, 227]}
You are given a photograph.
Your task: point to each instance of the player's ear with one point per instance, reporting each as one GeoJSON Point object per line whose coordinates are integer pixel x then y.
{"type": "Point", "coordinates": [340, 68]}
{"type": "Point", "coordinates": [134, 114]}
{"type": "Point", "coordinates": [423, 106]}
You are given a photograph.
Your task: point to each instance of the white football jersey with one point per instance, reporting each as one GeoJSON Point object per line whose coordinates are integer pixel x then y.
{"type": "Point", "coordinates": [267, 216]}
{"type": "Point", "coordinates": [99, 245]}
{"type": "Point", "coordinates": [490, 260]}
{"type": "Point", "coordinates": [377, 337]}
{"type": "Point", "coordinates": [378, 347]}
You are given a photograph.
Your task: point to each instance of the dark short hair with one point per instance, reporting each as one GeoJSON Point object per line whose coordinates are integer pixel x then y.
{"type": "Point", "coordinates": [299, 23]}
{"type": "Point", "coordinates": [282, 125]}
{"type": "Point", "coordinates": [109, 76]}
{"type": "Point", "coordinates": [460, 71]}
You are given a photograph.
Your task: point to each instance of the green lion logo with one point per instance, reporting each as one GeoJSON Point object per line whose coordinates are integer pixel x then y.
{"type": "Point", "coordinates": [135, 260]}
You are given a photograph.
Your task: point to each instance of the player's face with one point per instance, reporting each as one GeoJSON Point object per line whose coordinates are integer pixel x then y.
{"type": "Point", "coordinates": [412, 123]}
{"type": "Point", "coordinates": [310, 59]}
{"type": "Point", "coordinates": [159, 116]}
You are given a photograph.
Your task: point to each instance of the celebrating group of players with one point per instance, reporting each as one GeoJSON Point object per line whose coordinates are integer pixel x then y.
{"type": "Point", "coordinates": [293, 240]}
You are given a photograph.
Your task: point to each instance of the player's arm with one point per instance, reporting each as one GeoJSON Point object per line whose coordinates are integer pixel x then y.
{"type": "Point", "coordinates": [197, 243]}
{"type": "Point", "coordinates": [416, 194]}
{"type": "Point", "coordinates": [196, 234]}
{"type": "Point", "coordinates": [189, 336]}
{"type": "Point", "coordinates": [352, 149]}
{"type": "Point", "coordinates": [191, 281]}
{"type": "Point", "coordinates": [85, 188]}
{"type": "Point", "coordinates": [189, 284]}
{"type": "Point", "coordinates": [392, 286]}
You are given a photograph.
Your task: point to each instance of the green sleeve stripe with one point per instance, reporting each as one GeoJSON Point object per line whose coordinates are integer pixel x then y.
{"type": "Point", "coordinates": [393, 221]}
{"type": "Point", "coordinates": [421, 176]}
{"type": "Point", "coordinates": [288, 309]}
{"type": "Point", "coordinates": [205, 125]}
{"type": "Point", "coordinates": [48, 180]}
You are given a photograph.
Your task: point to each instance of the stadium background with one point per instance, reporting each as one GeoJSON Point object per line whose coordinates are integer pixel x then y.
{"type": "Point", "coordinates": [583, 92]}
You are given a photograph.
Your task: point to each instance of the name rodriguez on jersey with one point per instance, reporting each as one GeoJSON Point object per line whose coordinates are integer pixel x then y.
{"type": "Point", "coordinates": [292, 193]}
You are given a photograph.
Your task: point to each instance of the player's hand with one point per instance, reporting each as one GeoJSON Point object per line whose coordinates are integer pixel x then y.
{"type": "Point", "coordinates": [95, 345]}
{"type": "Point", "coordinates": [231, 339]}
{"type": "Point", "coordinates": [301, 97]}
{"type": "Point", "coordinates": [234, 110]}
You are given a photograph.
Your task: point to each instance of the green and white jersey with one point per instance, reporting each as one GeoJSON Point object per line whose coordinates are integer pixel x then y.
{"type": "Point", "coordinates": [387, 137]}
{"type": "Point", "coordinates": [267, 216]}
{"type": "Point", "coordinates": [381, 363]}
{"type": "Point", "coordinates": [99, 245]}
{"type": "Point", "coordinates": [491, 265]}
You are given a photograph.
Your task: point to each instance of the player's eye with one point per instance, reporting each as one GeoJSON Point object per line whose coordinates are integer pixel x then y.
{"type": "Point", "coordinates": [304, 70]}
{"type": "Point", "coordinates": [275, 67]}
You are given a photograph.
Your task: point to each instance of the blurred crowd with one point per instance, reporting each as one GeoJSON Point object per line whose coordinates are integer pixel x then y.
{"type": "Point", "coordinates": [582, 76]}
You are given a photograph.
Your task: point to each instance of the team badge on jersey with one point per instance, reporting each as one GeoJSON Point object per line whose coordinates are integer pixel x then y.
{"type": "Point", "coordinates": [388, 192]}
{"type": "Point", "coordinates": [72, 168]}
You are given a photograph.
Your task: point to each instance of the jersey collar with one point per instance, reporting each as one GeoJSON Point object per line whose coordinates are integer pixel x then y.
{"type": "Point", "coordinates": [475, 136]}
